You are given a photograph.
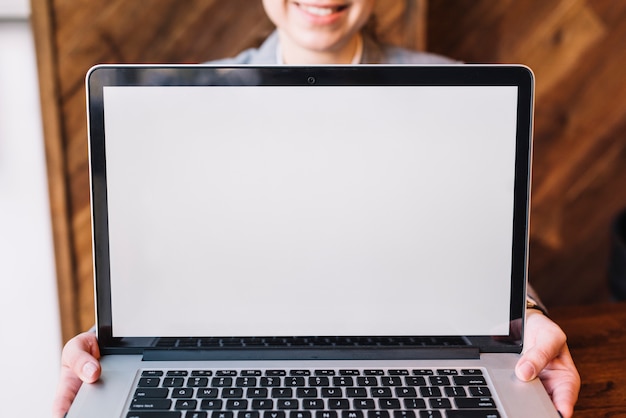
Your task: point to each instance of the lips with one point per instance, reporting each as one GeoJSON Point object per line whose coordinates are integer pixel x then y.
{"type": "Point", "coordinates": [321, 10]}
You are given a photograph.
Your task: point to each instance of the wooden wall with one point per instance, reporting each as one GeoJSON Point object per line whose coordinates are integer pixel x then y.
{"type": "Point", "coordinates": [73, 35]}
{"type": "Point", "coordinates": [577, 49]}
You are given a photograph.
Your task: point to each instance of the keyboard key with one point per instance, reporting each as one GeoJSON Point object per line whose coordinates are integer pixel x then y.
{"type": "Point", "coordinates": [404, 392]}
{"type": "Point", "coordinates": [294, 381]}
{"type": "Point", "coordinates": [388, 403]}
{"type": "Point", "coordinates": [222, 414]}
{"type": "Point", "coordinates": [221, 382]}
{"type": "Point", "coordinates": [197, 382]}
{"type": "Point", "coordinates": [338, 404]}
{"type": "Point", "coordinates": [186, 404]}
{"type": "Point", "coordinates": [430, 392]}
{"type": "Point", "coordinates": [343, 381]}
{"type": "Point", "coordinates": [332, 393]}
{"type": "Point", "coordinates": [152, 373]}
{"type": "Point", "coordinates": [403, 414]}
{"type": "Point", "coordinates": [207, 393]}
{"type": "Point", "coordinates": [377, 414]}
{"type": "Point", "coordinates": [313, 404]}
{"type": "Point", "coordinates": [414, 403]}
{"type": "Point", "coordinates": [470, 381]}
{"type": "Point", "coordinates": [325, 414]}
{"type": "Point", "coordinates": [356, 392]}
{"type": "Point", "coordinates": [306, 393]}
{"type": "Point", "coordinates": [364, 404]}
{"type": "Point", "coordinates": [153, 414]}
{"type": "Point", "coordinates": [232, 393]}
{"type": "Point", "coordinates": [391, 381]}
{"type": "Point", "coordinates": [270, 381]}
{"type": "Point", "coordinates": [247, 414]}
{"type": "Point", "coordinates": [288, 404]}
{"type": "Point", "coordinates": [211, 404]}
{"type": "Point", "coordinates": [176, 373]}
{"type": "Point", "coordinates": [149, 382]}
{"type": "Point", "coordinates": [201, 373]}
{"type": "Point", "coordinates": [300, 414]}
{"type": "Point", "coordinates": [173, 382]}
{"type": "Point", "coordinates": [255, 393]}
{"type": "Point", "coordinates": [472, 414]}
{"type": "Point", "coordinates": [150, 403]}
{"type": "Point", "coordinates": [352, 414]}
{"type": "Point", "coordinates": [274, 414]}
{"type": "Point", "coordinates": [196, 414]}
{"type": "Point", "coordinates": [245, 382]}
{"type": "Point", "coordinates": [447, 372]}
{"type": "Point", "coordinates": [381, 392]}
{"type": "Point", "coordinates": [440, 381]}
{"type": "Point", "coordinates": [423, 372]}
{"type": "Point", "coordinates": [472, 372]}
{"type": "Point", "coordinates": [367, 381]}
{"type": "Point", "coordinates": [319, 381]}
{"type": "Point", "coordinates": [250, 373]}
{"type": "Point", "coordinates": [455, 392]}
{"type": "Point", "coordinates": [349, 372]}
{"type": "Point", "coordinates": [401, 372]}
{"type": "Point", "coordinates": [299, 373]}
{"type": "Point", "coordinates": [282, 393]}
{"type": "Point", "coordinates": [479, 391]}
{"type": "Point", "coordinates": [439, 403]}
{"type": "Point", "coordinates": [415, 381]}
{"type": "Point", "coordinates": [376, 372]}
{"type": "Point", "coordinates": [275, 373]}
{"type": "Point", "coordinates": [182, 393]}
{"type": "Point", "coordinates": [237, 404]}
{"type": "Point", "coordinates": [152, 393]}
{"type": "Point", "coordinates": [231, 373]}
{"type": "Point", "coordinates": [324, 372]}
{"type": "Point", "coordinates": [264, 404]}
{"type": "Point", "coordinates": [475, 403]}
{"type": "Point", "coordinates": [430, 414]}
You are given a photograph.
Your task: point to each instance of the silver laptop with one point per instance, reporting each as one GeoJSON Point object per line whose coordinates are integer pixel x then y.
{"type": "Point", "coordinates": [310, 242]}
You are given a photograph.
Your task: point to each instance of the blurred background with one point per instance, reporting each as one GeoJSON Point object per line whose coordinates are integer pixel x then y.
{"type": "Point", "coordinates": [30, 331]}
{"type": "Point", "coordinates": [575, 47]}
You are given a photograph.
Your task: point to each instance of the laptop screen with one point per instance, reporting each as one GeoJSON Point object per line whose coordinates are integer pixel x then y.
{"type": "Point", "coordinates": [284, 210]}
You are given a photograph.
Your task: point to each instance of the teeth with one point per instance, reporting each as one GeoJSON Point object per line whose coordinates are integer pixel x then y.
{"type": "Point", "coordinates": [318, 11]}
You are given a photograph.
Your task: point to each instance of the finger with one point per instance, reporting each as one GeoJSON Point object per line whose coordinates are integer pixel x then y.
{"type": "Point", "coordinates": [69, 384]}
{"type": "Point", "coordinates": [563, 383]}
{"type": "Point", "coordinates": [81, 355]}
{"type": "Point", "coordinates": [549, 343]}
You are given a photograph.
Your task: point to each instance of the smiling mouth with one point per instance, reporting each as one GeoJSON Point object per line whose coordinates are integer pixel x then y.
{"type": "Point", "coordinates": [321, 10]}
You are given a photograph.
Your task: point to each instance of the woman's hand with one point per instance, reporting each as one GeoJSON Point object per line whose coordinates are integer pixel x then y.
{"type": "Point", "coordinates": [79, 363]}
{"type": "Point", "coordinates": [547, 356]}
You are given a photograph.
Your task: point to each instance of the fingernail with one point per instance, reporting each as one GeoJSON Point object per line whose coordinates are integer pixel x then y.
{"type": "Point", "coordinates": [89, 370]}
{"type": "Point", "coordinates": [526, 371]}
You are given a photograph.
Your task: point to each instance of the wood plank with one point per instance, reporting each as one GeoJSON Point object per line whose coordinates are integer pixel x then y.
{"type": "Point", "coordinates": [42, 18]}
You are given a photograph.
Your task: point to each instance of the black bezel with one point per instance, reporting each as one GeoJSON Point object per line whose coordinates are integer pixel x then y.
{"type": "Point", "coordinates": [362, 75]}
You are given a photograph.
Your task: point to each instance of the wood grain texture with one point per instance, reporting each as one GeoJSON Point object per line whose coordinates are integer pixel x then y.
{"type": "Point", "coordinates": [74, 35]}
{"type": "Point", "coordinates": [596, 338]}
{"type": "Point", "coordinates": [576, 49]}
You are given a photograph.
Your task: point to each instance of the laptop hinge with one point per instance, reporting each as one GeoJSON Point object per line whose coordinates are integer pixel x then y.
{"type": "Point", "coordinates": [378, 353]}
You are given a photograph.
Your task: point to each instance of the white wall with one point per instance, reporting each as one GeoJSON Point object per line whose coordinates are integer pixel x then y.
{"type": "Point", "coordinates": [30, 340]}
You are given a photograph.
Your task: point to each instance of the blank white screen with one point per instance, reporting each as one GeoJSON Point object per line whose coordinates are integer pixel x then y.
{"type": "Point", "coordinates": [310, 210]}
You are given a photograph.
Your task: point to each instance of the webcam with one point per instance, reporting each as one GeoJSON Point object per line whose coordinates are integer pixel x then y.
{"type": "Point", "coordinates": [310, 80]}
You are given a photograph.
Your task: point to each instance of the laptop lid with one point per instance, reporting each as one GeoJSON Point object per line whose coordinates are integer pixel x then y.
{"type": "Point", "coordinates": [332, 208]}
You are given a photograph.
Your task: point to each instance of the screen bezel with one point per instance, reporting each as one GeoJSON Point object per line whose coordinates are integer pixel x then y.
{"type": "Point", "coordinates": [362, 75]}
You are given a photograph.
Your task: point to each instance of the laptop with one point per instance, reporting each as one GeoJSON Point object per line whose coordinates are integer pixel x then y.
{"type": "Point", "coordinates": [310, 242]}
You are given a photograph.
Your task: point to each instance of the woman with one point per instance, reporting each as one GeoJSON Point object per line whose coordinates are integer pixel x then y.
{"type": "Point", "coordinates": [335, 32]}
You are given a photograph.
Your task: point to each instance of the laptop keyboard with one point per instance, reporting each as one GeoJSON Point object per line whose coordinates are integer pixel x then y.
{"type": "Point", "coordinates": [313, 393]}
